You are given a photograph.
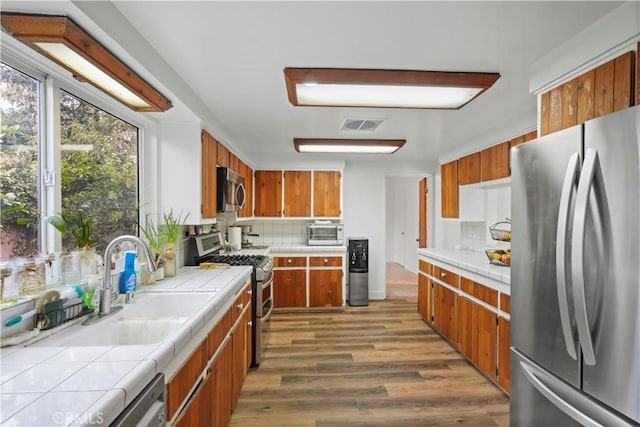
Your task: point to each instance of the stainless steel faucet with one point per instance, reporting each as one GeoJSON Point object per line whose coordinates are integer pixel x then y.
{"type": "Point", "coordinates": [106, 288]}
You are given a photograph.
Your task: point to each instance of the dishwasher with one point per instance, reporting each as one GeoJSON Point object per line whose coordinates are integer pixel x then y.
{"type": "Point", "coordinates": [147, 409]}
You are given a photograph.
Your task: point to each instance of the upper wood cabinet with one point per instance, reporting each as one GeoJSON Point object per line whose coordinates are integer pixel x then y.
{"type": "Point", "coordinates": [529, 136]}
{"type": "Point", "coordinates": [469, 169]}
{"type": "Point", "coordinates": [223, 155]}
{"type": "Point", "coordinates": [209, 175]}
{"type": "Point", "coordinates": [247, 173]}
{"type": "Point", "coordinates": [603, 90]}
{"type": "Point", "coordinates": [297, 193]}
{"type": "Point", "coordinates": [449, 187]}
{"type": "Point", "coordinates": [326, 193]}
{"type": "Point", "coordinates": [234, 162]}
{"type": "Point", "coordinates": [495, 162]}
{"type": "Point", "coordinates": [268, 193]}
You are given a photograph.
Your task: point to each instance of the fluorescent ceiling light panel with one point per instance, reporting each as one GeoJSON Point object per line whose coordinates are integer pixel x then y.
{"type": "Point", "coordinates": [384, 88]}
{"type": "Point", "coordinates": [358, 146]}
{"type": "Point", "coordinates": [61, 40]}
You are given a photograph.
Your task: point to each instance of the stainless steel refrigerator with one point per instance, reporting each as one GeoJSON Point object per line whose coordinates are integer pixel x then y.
{"type": "Point", "coordinates": [575, 273]}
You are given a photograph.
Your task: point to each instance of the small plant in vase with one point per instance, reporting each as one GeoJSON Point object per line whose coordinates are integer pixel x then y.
{"type": "Point", "coordinates": [155, 239]}
{"type": "Point", "coordinates": [171, 230]}
{"type": "Point", "coordinates": [82, 230]}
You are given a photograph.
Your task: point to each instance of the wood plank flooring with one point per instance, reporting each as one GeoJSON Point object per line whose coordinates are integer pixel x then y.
{"type": "Point", "coordinates": [375, 366]}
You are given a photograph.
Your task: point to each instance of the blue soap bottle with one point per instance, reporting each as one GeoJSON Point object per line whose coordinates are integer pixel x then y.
{"type": "Point", "coordinates": [128, 277]}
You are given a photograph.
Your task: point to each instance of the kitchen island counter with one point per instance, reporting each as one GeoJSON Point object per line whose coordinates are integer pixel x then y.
{"type": "Point", "coordinates": [88, 385]}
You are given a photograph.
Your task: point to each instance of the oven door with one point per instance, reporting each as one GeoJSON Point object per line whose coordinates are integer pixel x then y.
{"type": "Point", "coordinates": [263, 314]}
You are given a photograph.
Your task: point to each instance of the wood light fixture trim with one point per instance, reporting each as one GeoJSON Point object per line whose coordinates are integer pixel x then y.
{"type": "Point", "coordinates": [381, 77]}
{"type": "Point", "coordinates": [32, 29]}
{"type": "Point", "coordinates": [392, 144]}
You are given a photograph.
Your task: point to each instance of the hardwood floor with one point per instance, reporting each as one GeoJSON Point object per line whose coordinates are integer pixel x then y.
{"type": "Point", "coordinates": [379, 365]}
{"type": "Point", "coordinates": [401, 283]}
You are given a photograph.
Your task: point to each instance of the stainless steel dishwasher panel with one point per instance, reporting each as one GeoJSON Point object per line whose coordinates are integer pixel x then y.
{"type": "Point", "coordinates": [147, 409]}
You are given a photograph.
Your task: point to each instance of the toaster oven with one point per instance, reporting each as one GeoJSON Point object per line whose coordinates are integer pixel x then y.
{"type": "Point", "coordinates": [325, 234]}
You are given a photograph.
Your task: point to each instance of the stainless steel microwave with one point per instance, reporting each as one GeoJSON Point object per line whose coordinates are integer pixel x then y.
{"type": "Point", "coordinates": [231, 191]}
{"type": "Point", "coordinates": [325, 234]}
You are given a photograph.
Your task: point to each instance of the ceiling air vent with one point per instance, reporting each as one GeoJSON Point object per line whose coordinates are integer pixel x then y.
{"type": "Point", "coordinates": [368, 125]}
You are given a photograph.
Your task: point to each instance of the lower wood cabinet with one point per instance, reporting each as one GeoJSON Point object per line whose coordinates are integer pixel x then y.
{"type": "Point", "coordinates": [445, 312]}
{"type": "Point", "coordinates": [477, 335]}
{"type": "Point", "coordinates": [425, 298]}
{"type": "Point", "coordinates": [504, 344]}
{"type": "Point", "coordinates": [313, 281]}
{"type": "Point", "coordinates": [206, 388]}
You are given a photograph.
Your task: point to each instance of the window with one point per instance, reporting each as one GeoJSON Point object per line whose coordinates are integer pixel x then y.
{"type": "Point", "coordinates": [19, 153]}
{"type": "Point", "coordinates": [96, 174]}
{"type": "Point", "coordinates": [99, 171]}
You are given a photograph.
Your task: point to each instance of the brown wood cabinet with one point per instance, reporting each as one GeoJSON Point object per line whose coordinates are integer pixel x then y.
{"type": "Point", "coordinates": [268, 193]}
{"type": "Point", "coordinates": [469, 169]}
{"type": "Point", "coordinates": [495, 162]}
{"type": "Point", "coordinates": [445, 312]}
{"type": "Point", "coordinates": [247, 173]}
{"type": "Point", "coordinates": [449, 189]}
{"type": "Point", "coordinates": [446, 276]}
{"type": "Point", "coordinates": [209, 175]}
{"type": "Point", "coordinates": [325, 288]}
{"type": "Point", "coordinates": [326, 193]}
{"type": "Point", "coordinates": [477, 335]}
{"type": "Point", "coordinates": [504, 343]}
{"type": "Point", "coordinates": [290, 288]}
{"type": "Point", "coordinates": [214, 398]}
{"type": "Point", "coordinates": [602, 90]}
{"type": "Point", "coordinates": [529, 136]}
{"type": "Point", "coordinates": [223, 155]}
{"type": "Point", "coordinates": [297, 193]}
{"type": "Point", "coordinates": [234, 162]}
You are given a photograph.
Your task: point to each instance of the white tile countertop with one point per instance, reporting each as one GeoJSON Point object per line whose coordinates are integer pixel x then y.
{"type": "Point", "coordinates": [89, 385]}
{"type": "Point", "coordinates": [307, 248]}
{"type": "Point", "coordinates": [472, 261]}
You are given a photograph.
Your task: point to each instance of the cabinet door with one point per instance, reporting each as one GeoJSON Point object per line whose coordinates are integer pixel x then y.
{"type": "Point", "coordinates": [503, 353]}
{"type": "Point", "coordinates": [469, 169]}
{"type": "Point", "coordinates": [487, 341]}
{"type": "Point", "coordinates": [238, 366]}
{"type": "Point", "coordinates": [290, 288]}
{"type": "Point", "coordinates": [297, 193]}
{"type": "Point", "coordinates": [222, 389]}
{"type": "Point", "coordinates": [181, 384]}
{"type": "Point", "coordinates": [325, 288]}
{"type": "Point", "coordinates": [234, 162]}
{"type": "Point", "coordinates": [209, 175]}
{"type": "Point", "coordinates": [446, 312]}
{"type": "Point", "coordinates": [326, 193]}
{"type": "Point", "coordinates": [495, 162]}
{"type": "Point", "coordinates": [268, 193]}
{"type": "Point", "coordinates": [467, 328]}
{"type": "Point", "coordinates": [423, 283]}
{"type": "Point", "coordinates": [198, 411]}
{"type": "Point", "coordinates": [223, 155]}
{"type": "Point", "coordinates": [449, 189]}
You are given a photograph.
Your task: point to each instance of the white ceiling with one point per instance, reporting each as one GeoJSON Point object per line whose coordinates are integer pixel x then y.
{"type": "Point", "coordinates": [232, 55]}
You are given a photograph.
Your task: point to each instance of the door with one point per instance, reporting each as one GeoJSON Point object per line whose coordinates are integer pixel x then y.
{"type": "Point", "coordinates": [422, 213]}
{"type": "Point", "coordinates": [610, 321]}
{"type": "Point", "coordinates": [537, 179]}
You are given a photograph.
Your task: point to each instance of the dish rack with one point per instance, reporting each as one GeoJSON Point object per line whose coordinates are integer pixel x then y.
{"type": "Point", "coordinates": [501, 231]}
{"type": "Point", "coordinates": [56, 314]}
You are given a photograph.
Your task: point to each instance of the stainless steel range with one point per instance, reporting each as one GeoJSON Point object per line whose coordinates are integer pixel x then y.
{"type": "Point", "coordinates": [206, 248]}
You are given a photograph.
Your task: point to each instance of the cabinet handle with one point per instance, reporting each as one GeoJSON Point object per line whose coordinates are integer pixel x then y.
{"type": "Point", "coordinates": [443, 274]}
{"type": "Point", "coordinates": [249, 292]}
{"type": "Point", "coordinates": [250, 323]}
{"type": "Point", "coordinates": [326, 260]}
{"type": "Point", "coordinates": [240, 306]}
{"type": "Point", "coordinates": [289, 260]}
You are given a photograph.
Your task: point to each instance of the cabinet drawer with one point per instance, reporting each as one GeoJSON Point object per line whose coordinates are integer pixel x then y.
{"type": "Point", "coordinates": [505, 303]}
{"type": "Point", "coordinates": [425, 267]}
{"type": "Point", "coordinates": [294, 261]}
{"type": "Point", "coordinates": [445, 275]}
{"type": "Point", "coordinates": [481, 292]}
{"type": "Point", "coordinates": [326, 261]}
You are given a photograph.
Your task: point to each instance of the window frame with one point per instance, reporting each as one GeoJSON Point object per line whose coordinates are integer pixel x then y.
{"type": "Point", "coordinates": [54, 78]}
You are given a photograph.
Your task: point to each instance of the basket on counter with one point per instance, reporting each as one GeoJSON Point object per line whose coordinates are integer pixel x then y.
{"type": "Point", "coordinates": [56, 314]}
{"type": "Point", "coordinates": [501, 231]}
{"type": "Point", "coordinates": [500, 257]}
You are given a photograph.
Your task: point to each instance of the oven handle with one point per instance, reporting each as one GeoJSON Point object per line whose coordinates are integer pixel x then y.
{"type": "Point", "coordinates": [268, 315]}
{"type": "Point", "coordinates": [269, 281]}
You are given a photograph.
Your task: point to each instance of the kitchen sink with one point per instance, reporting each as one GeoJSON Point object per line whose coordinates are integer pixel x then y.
{"type": "Point", "coordinates": [151, 319]}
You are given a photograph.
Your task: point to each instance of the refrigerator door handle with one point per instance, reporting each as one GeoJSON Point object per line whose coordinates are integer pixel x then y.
{"type": "Point", "coordinates": [591, 163]}
{"type": "Point", "coordinates": [563, 405]}
{"type": "Point", "coordinates": [561, 256]}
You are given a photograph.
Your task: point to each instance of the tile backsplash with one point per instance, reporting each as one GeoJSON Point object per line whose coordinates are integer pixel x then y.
{"type": "Point", "coordinates": [279, 232]}
{"type": "Point", "coordinates": [473, 235]}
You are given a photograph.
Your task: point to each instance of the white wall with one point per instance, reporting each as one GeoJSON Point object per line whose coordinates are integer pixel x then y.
{"type": "Point", "coordinates": [365, 213]}
{"type": "Point", "coordinates": [402, 220]}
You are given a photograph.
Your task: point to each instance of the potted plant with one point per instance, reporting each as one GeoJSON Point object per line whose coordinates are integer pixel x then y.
{"type": "Point", "coordinates": [155, 239]}
{"type": "Point", "coordinates": [171, 230]}
{"type": "Point", "coordinates": [82, 228]}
